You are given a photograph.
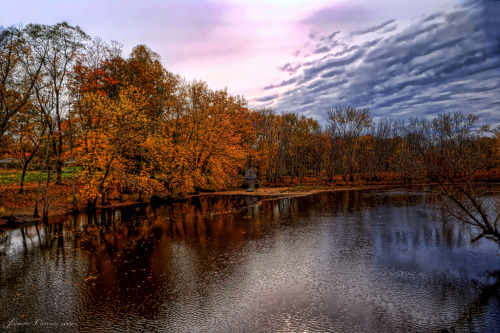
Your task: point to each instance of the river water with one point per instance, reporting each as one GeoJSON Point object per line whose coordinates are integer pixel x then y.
{"type": "Point", "coordinates": [354, 261]}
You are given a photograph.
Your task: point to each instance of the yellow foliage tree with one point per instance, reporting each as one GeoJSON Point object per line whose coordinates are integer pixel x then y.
{"type": "Point", "coordinates": [104, 147]}
{"type": "Point", "coordinates": [208, 140]}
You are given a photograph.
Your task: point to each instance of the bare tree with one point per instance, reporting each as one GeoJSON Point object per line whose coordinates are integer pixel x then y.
{"type": "Point", "coordinates": [385, 135]}
{"type": "Point", "coordinates": [447, 151]}
{"type": "Point", "coordinates": [64, 44]}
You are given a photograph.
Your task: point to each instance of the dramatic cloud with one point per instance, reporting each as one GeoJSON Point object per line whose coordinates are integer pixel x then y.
{"type": "Point", "coordinates": [445, 62]}
{"type": "Point", "coordinates": [399, 58]}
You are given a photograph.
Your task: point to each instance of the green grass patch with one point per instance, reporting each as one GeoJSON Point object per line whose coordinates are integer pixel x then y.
{"type": "Point", "coordinates": [13, 177]}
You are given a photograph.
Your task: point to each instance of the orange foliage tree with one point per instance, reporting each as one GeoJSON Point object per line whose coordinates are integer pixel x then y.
{"type": "Point", "coordinates": [103, 148]}
{"type": "Point", "coordinates": [210, 136]}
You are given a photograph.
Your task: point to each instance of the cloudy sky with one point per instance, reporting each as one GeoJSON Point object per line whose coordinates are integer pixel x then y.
{"type": "Point", "coordinates": [398, 58]}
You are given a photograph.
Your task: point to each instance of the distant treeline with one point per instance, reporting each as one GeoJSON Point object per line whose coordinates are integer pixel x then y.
{"type": "Point", "coordinates": [130, 126]}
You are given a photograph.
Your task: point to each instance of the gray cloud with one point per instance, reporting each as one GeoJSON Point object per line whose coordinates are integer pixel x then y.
{"type": "Point", "coordinates": [389, 29]}
{"type": "Point", "coordinates": [370, 43]}
{"type": "Point", "coordinates": [322, 49]}
{"type": "Point", "coordinates": [449, 61]}
{"type": "Point", "coordinates": [346, 49]}
{"type": "Point", "coordinates": [334, 72]}
{"type": "Point", "coordinates": [330, 37]}
{"type": "Point", "coordinates": [326, 43]}
{"type": "Point", "coordinates": [326, 86]}
{"type": "Point", "coordinates": [432, 17]}
{"type": "Point", "coordinates": [267, 98]}
{"type": "Point", "coordinates": [282, 84]}
{"type": "Point", "coordinates": [290, 68]}
{"type": "Point", "coordinates": [312, 71]}
{"type": "Point", "coordinates": [374, 28]}
{"type": "Point", "coordinates": [416, 31]}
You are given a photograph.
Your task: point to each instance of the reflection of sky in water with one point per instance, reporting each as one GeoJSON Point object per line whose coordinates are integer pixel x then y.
{"type": "Point", "coordinates": [409, 240]}
{"type": "Point", "coordinates": [330, 262]}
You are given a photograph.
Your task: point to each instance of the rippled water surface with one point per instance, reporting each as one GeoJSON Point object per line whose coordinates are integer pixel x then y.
{"type": "Point", "coordinates": [359, 261]}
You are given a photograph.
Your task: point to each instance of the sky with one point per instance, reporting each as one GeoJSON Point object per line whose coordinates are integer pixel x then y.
{"type": "Point", "coordinates": [400, 59]}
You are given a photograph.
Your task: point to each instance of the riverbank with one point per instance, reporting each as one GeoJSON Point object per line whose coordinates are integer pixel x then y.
{"type": "Point", "coordinates": [18, 208]}
{"type": "Point", "coordinates": [65, 197]}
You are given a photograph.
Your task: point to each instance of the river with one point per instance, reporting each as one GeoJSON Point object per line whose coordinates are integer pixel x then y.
{"type": "Point", "coordinates": [352, 261]}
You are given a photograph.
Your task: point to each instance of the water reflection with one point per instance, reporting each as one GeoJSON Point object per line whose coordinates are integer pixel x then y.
{"type": "Point", "coordinates": [346, 261]}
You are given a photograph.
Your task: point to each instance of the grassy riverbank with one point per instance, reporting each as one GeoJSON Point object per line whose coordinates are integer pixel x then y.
{"type": "Point", "coordinates": [64, 197]}
{"type": "Point", "coordinates": [60, 196]}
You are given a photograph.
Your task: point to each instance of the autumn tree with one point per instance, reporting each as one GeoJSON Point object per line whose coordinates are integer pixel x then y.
{"type": "Point", "coordinates": [319, 147]}
{"type": "Point", "coordinates": [332, 156]}
{"type": "Point", "coordinates": [103, 147]}
{"type": "Point", "coordinates": [384, 136]}
{"type": "Point", "coordinates": [346, 125]}
{"type": "Point", "coordinates": [145, 71]}
{"type": "Point", "coordinates": [207, 139]}
{"type": "Point", "coordinates": [20, 67]}
{"type": "Point", "coordinates": [27, 132]}
{"type": "Point", "coordinates": [286, 145]}
{"type": "Point", "coordinates": [285, 126]}
{"type": "Point", "coordinates": [266, 143]}
{"type": "Point", "coordinates": [300, 157]}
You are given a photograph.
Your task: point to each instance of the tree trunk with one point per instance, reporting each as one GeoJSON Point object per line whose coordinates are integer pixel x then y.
{"type": "Point", "coordinates": [59, 172]}
{"type": "Point", "coordinates": [45, 214]}
{"type": "Point", "coordinates": [21, 186]}
{"type": "Point", "coordinates": [35, 213]}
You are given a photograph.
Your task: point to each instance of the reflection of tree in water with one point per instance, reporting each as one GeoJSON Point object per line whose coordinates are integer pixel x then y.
{"type": "Point", "coordinates": [34, 272]}
{"type": "Point", "coordinates": [251, 200]}
{"type": "Point", "coordinates": [154, 239]}
{"type": "Point", "coordinates": [474, 316]}
{"type": "Point", "coordinates": [138, 258]}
